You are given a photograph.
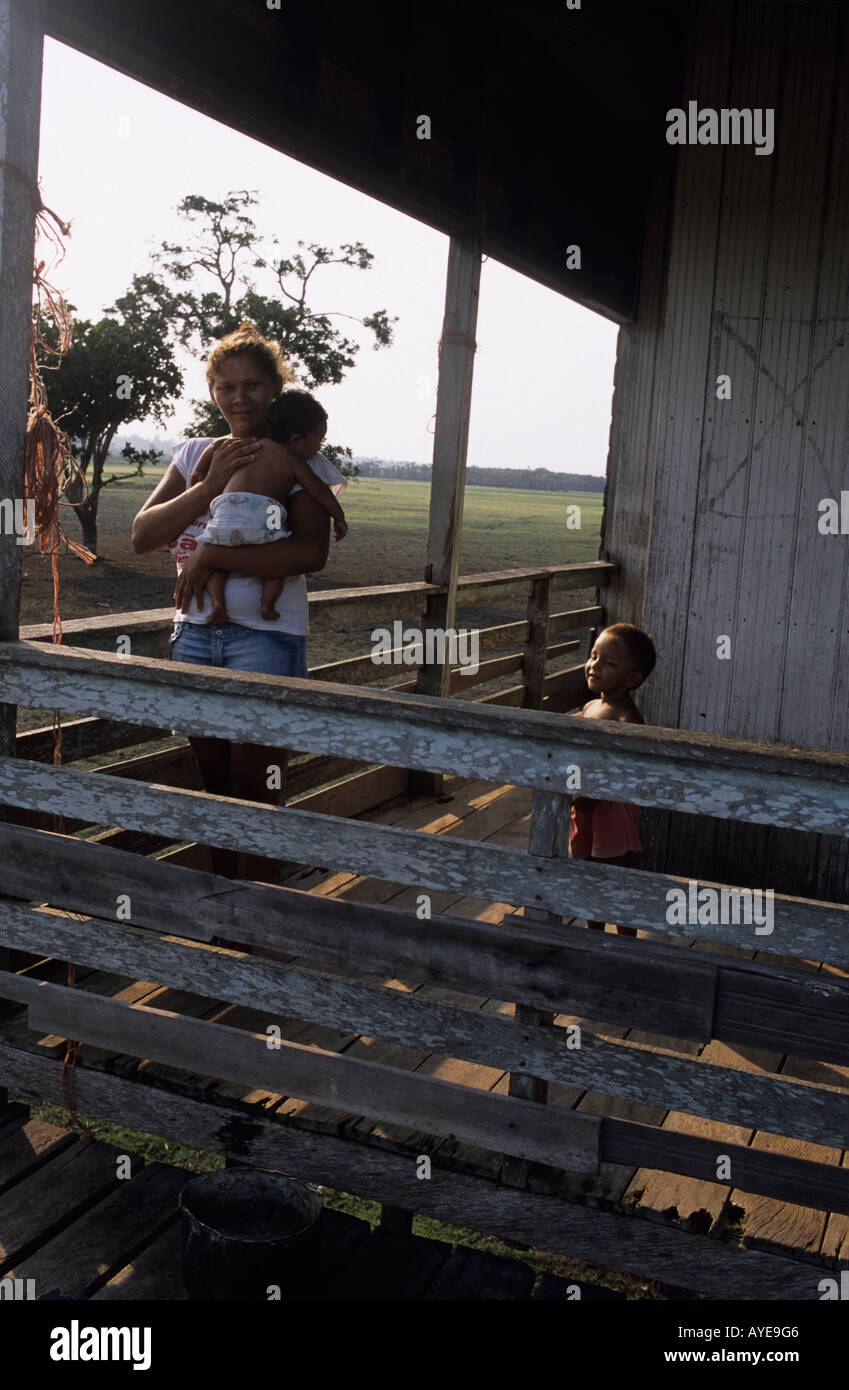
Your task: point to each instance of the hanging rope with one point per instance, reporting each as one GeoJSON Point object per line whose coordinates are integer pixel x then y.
{"type": "Point", "coordinates": [49, 466]}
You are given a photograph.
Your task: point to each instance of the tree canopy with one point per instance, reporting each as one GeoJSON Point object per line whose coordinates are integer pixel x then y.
{"type": "Point", "coordinates": [224, 272]}
{"type": "Point", "coordinates": [117, 370]}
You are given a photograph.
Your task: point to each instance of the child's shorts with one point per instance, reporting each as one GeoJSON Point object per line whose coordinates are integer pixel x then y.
{"type": "Point", "coordinates": [604, 830]}
{"type": "Point", "coordinates": [245, 518]}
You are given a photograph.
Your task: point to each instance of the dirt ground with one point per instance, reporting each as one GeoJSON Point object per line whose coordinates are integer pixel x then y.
{"type": "Point", "coordinates": [503, 528]}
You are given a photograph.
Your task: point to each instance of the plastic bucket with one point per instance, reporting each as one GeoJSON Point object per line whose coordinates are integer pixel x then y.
{"type": "Point", "coordinates": [247, 1234]}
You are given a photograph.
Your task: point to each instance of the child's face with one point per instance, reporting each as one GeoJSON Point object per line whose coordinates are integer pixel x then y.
{"type": "Point", "coordinates": [306, 446]}
{"type": "Point", "coordinates": [610, 667]}
{"type": "Point", "coordinates": [243, 392]}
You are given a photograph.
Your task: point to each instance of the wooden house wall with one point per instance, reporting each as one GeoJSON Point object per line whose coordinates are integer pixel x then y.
{"type": "Point", "coordinates": [713, 504]}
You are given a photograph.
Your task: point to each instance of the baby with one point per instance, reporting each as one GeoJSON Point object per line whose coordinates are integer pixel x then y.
{"type": "Point", "coordinates": [608, 831]}
{"type": "Point", "coordinates": [250, 510]}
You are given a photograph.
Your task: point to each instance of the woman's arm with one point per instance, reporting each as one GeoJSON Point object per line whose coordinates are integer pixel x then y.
{"type": "Point", "coordinates": [171, 507]}
{"type": "Point", "coordinates": [304, 552]}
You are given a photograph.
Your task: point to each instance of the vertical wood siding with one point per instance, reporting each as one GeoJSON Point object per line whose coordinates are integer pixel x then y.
{"type": "Point", "coordinates": [714, 520]}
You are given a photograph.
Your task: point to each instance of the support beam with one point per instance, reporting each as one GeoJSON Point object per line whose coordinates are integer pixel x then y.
{"type": "Point", "coordinates": [549, 837]}
{"type": "Point", "coordinates": [450, 443]}
{"type": "Point", "coordinates": [535, 653]}
{"type": "Point", "coordinates": [21, 38]}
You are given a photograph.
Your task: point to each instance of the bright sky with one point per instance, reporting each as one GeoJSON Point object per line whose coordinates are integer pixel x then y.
{"type": "Point", "coordinates": [117, 157]}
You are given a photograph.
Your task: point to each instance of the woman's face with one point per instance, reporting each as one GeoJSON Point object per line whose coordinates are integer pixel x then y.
{"type": "Point", "coordinates": [243, 392]}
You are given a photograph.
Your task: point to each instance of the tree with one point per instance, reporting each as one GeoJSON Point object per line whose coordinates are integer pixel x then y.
{"type": "Point", "coordinates": [117, 370]}
{"type": "Point", "coordinates": [223, 252]}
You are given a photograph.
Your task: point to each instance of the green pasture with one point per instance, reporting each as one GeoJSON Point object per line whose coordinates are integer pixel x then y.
{"type": "Point", "coordinates": [503, 528]}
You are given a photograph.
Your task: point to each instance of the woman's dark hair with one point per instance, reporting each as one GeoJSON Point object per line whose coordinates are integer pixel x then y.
{"type": "Point", "coordinates": [294, 412]}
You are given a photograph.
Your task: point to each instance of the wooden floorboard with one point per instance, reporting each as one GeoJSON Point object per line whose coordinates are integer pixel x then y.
{"type": "Point", "coordinates": [89, 1251]}
{"type": "Point", "coordinates": [79, 1232]}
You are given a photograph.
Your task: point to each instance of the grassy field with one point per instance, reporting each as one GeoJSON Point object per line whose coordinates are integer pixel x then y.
{"type": "Point", "coordinates": [503, 528]}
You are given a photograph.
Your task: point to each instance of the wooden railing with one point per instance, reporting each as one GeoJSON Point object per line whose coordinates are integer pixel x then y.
{"type": "Point", "coordinates": [545, 681]}
{"type": "Point", "coordinates": [171, 913]}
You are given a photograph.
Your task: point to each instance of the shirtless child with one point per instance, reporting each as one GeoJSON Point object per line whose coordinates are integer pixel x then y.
{"type": "Point", "coordinates": [608, 831]}
{"type": "Point", "coordinates": [251, 510]}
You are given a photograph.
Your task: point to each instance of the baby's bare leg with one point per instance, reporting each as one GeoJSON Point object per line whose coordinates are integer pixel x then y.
{"type": "Point", "coordinates": [215, 588]}
{"type": "Point", "coordinates": [271, 590]}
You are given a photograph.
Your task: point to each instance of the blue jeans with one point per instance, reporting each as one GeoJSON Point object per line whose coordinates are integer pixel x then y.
{"type": "Point", "coordinates": [239, 648]}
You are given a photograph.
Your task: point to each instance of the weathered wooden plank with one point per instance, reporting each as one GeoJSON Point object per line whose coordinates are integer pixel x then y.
{"type": "Point", "coordinates": [20, 84]}
{"type": "Point", "coordinates": [562, 968]}
{"type": "Point", "coordinates": [502, 635]}
{"type": "Point", "coordinates": [25, 1145]}
{"type": "Point", "coordinates": [154, 1274]}
{"type": "Point", "coordinates": [484, 588]}
{"type": "Point", "coordinates": [778, 1175]}
{"type": "Point", "coordinates": [314, 772]}
{"type": "Point", "coordinates": [705, 774]}
{"type": "Point", "coordinates": [570, 685]}
{"type": "Point", "coordinates": [560, 648]}
{"type": "Point", "coordinates": [48, 1200]}
{"type": "Point", "coordinates": [105, 629]}
{"type": "Point", "coordinates": [621, 987]}
{"type": "Point", "coordinates": [334, 608]}
{"type": "Point", "coordinates": [692, 1261]}
{"type": "Point", "coordinates": [356, 794]}
{"type": "Point", "coordinates": [822, 472]}
{"type": "Point", "coordinates": [546, 840]}
{"type": "Point", "coordinates": [681, 345]}
{"type": "Point", "coordinates": [462, 681]}
{"type": "Point", "coordinates": [512, 697]}
{"type": "Point", "coordinates": [450, 443]}
{"type": "Point", "coordinates": [174, 767]}
{"type": "Point", "coordinates": [568, 887]}
{"type": "Point", "coordinates": [766, 1221]}
{"type": "Point", "coordinates": [497, 1122]}
{"type": "Point", "coordinates": [87, 1254]}
{"type": "Point", "coordinates": [406, 599]}
{"type": "Point", "coordinates": [574, 618]}
{"type": "Point", "coordinates": [83, 738]}
{"type": "Point", "coordinates": [693, 1204]}
{"type": "Point", "coordinates": [534, 654]}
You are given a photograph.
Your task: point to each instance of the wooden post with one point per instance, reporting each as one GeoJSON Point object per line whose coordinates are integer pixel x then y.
{"type": "Point", "coordinates": [534, 658]}
{"type": "Point", "coordinates": [450, 442]}
{"type": "Point", "coordinates": [549, 837]}
{"type": "Point", "coordinates": [21, 39]}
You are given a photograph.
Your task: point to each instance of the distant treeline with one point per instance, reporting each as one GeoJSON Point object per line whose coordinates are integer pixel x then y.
{"type": "Point", "coordinates": [536, 479]}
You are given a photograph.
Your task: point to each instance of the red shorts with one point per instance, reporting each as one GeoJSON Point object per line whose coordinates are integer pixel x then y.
{"type": "Point", "coordinates": [604, 830]}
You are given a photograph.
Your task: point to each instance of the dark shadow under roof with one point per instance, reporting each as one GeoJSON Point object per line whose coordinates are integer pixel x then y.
{"type": "Point", "coordinates": [547, 123]}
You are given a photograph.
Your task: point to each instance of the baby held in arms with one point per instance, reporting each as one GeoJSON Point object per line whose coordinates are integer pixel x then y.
{"type": "Point", "coordinates": [251, 510]}
{"type": "Point", "coordinates": [608, 831]}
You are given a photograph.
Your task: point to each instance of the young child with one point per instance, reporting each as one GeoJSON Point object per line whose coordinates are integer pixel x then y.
{"type": "Point", "coordinates": [608, 831]}
{"type": "Point", "coordinates": [250, 510]}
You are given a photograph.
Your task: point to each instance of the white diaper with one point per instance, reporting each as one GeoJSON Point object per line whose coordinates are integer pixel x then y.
{"type": "Point", "coordinates": [245, 518]}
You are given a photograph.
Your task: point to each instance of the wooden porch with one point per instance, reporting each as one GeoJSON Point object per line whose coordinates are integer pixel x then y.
{"type": "Point", "coordinates": [690, 1130]}
{"type": "Point", "coordinates": [499, 815]}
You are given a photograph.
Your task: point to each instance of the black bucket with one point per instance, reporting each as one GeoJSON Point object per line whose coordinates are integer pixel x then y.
{"type": "Point", "coordinates": [247, 1234]}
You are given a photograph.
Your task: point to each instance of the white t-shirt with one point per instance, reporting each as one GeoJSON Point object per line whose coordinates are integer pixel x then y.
{"type": "Point", "coordinates": [243, 592]}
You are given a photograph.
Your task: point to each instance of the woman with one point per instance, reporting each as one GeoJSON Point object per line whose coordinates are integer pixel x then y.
{"type": "Point", "coordinates": [245, 373]}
